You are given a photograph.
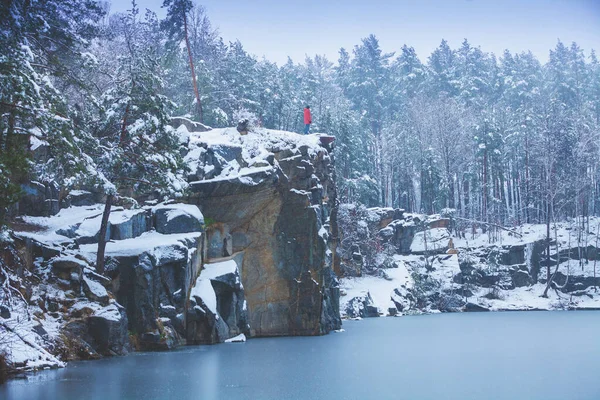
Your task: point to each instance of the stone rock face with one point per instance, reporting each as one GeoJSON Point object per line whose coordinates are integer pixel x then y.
{"type": "Point", "coordinates": [92, 334]}
{"type": "Point", "coordinates": [39, 199]}
{"type": "Point", "coordinates": [63, 294]}
{"type": "Point", "coordinates": [94, 290]}
{"type": "Point", "coordinates": [154, 285]}
{"type": "Point", "coordinates": [68, 267]}
{"type": "Point", "coordinates": [274, 217]}
{"type": "Point", "coordinates": [509, 255]}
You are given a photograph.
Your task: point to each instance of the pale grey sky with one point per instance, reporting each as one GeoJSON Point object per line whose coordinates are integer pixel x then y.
{"type": "Point", "coordinates": [280, 28]}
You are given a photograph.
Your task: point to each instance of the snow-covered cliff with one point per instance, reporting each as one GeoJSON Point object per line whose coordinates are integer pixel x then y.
{"type": "Point", "coordinates": [248, 252]}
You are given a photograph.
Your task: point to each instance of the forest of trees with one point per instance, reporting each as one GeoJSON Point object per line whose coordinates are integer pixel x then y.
{"type": "Point", "coordinates": [501, 139]}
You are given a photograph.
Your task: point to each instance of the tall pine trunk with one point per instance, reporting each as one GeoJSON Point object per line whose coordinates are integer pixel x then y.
{"type": "Point", "coordinates": [187, 43]}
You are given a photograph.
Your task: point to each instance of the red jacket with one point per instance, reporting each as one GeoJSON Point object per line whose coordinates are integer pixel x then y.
{"type": "Point", "coordinates": [307, 116]}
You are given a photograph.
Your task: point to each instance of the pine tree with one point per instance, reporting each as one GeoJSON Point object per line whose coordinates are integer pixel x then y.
{"type": "Point", "coordinates": [41, 46]}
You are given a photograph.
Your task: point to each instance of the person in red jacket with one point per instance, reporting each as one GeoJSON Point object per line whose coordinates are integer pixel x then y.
{"type": "Point", "coordinates": [307, 119]}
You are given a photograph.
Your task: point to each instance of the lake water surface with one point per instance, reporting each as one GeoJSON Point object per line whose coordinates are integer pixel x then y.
{"type": "Point", "coordinates": [511, 355]}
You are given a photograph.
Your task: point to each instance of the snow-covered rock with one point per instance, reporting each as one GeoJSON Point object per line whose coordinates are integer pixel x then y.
{"type": "Point", "coordinates": [237, 339]}
{"type": "Point", "coordinates": [217, 304]}
{"type": "Point", "coordinates": [177, 218]}
{"type": "Point", "coordinates": [508, 273]}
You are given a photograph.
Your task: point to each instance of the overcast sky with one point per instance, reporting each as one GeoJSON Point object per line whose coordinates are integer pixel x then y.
{"type": "Point", "coordinates": [277, 29]}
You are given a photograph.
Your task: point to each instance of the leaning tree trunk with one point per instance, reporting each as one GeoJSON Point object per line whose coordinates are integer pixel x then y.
{"type": "Point", "coordinates": [187, 43]}
{"type": "Point", "coordinates": [102, 238]}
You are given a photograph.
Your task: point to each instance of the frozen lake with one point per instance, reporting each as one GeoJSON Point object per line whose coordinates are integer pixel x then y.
{"type": "Point", "coordinates": [511, 355]}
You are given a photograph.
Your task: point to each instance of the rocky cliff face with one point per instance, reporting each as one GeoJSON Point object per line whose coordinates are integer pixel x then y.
{"type": "Point", "coordinates": [269, 208]}
{"type": "Point", "coordinates": [250, 253]}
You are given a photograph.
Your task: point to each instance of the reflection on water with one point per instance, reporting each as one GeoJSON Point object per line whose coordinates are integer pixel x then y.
{"type": "Point", "coordinates": [541, 355]}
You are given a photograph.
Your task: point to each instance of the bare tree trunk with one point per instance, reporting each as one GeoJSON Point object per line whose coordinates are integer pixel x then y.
{"type": "Point", "coordinates": [102, 238]}
{"type": "Point", "coordinates": [187, 43]}
{"type": "Point", "coordinates": [547, 240]}
{"type": "Point", "coordinates": [545, 294]}
{"type": "Point", "coordinates": [485, 188]}
{"type": "Point", "coordinates": [527, 218]}
{"type": "Point", "coordinates": [596, 256]}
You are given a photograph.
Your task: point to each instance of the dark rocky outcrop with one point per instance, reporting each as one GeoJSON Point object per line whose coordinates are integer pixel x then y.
{"type": "Point", "coordinates": [217, 308]}
{"type": "Point", "coordinates": [154, 285]}
{"type": "Point", "coordinates": [275, 217]}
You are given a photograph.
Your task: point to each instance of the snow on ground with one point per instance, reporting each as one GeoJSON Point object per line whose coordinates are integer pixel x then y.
{"type": "Point", "coordinates": [379, 288]}
{"type": "Point", "coordinates": [162, 246]}
{"type": "Point", "coordinates": [566, 232]}
{"type": "Point", "coordinates": [445, 267]}
{"type": "Point", "coordinates": [22, 345]}
{"type": "Point", "coordinates": [430, 240]}
{"type": "Point", "coordinates": [529, 298]}
{"type": "Point", "coordinates": [66, 218]}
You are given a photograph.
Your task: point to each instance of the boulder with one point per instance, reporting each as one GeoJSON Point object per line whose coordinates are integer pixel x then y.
{"type": "Point", "coordinates": [472, 307]}
{"type": "Point", "coordinates": [361, 306]}
{"type": "Point", "coordinates": [66, 267]}
{"type": "Point", "coordinates": [520, 277]}
{"type": "Point", "coordinates": [80, 198]}
{"type": "Point", "coordinates": [177, 218]}
{"type": "Point", "coordinates": [128, 224]}
{"type": "Point", "coordinates": [243, 126]}
{"type": "Point", "coordinates": [108, 328]}
{"type": "Point", "coordinates": [192, 126]}
{"type": "Point", "coordinates": [226, 153]}
{"type": "Point", "coordinates": [95, 291]}
{"type": "Point", "coordinates": [89, 230]}
{"type": "Point", "coordinates": [403, 299]}
{"type": "Point", "coordinates": [4, 312]}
